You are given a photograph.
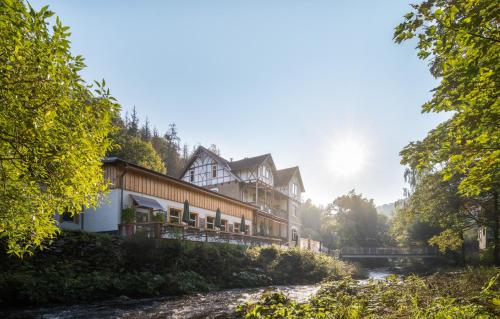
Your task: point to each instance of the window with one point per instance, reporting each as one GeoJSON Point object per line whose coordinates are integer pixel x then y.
{"type": "Point", "coordinates": [67, 217]}
{"type": "Point", "coordinates": [295, 235]}
{"type": "Point", "coordinates": [191, 175]}
{"type": "Point", "coordinates": [175, 216]}
{"type": "Point", "coordinates": [193, 220]}
{"type": "Point", "coordinates": [214, 170]}
{"type": "Point", "coordinates": [141, 215]}
{"type": "Point", "coordinates": [266, 172]}
{"type": "Point", "coordinates": [223, 225]}
{"type": "Point", "coordinates": [210, 222]}
{"type": "Point", "coordinates": [295, 189]}
{"type": "Point", "coordinates": [295, 211]}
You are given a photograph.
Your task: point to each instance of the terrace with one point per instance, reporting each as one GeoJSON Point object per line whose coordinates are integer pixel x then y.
{"type": "Point", "coordinates": [160, 230]}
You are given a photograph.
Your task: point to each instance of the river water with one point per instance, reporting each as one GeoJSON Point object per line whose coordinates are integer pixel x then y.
{"type": "Point", "coordinates": [216, 304]}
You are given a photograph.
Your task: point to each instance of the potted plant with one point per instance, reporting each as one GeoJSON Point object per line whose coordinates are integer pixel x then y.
{"type": "Point", "coordinates": [159, 218]}
{"type": "Point", "coordinates": [128, 220]}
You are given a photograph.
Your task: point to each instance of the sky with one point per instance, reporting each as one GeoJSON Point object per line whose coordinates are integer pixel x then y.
{"type": "Point", "coordinates": [318, 84]}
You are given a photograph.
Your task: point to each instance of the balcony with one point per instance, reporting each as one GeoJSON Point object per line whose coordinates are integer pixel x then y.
{"type": "Point", "coordinates": [276, 211]}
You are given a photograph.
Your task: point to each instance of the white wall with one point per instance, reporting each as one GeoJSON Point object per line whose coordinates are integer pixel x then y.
{"type": "Point", "coordinates": [105, 218]}
{"type": "Point", "coordinates": [68, 225]}
{"type": "Point", "coordinates": [202, 167]}
{"type": "Point", "coordinates": [108, 215]}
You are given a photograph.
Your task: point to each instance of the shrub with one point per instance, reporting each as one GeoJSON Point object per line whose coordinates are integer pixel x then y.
{"type": "Point", "coordinates": [80, 266]}
{"type": "Point", "coordinates": [469, 294]}
{"type": "Point", "coordinates": [128, 215]}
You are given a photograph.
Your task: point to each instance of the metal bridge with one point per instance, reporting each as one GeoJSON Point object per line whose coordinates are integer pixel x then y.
{"type": "Point", "coordinates": [385, 252]}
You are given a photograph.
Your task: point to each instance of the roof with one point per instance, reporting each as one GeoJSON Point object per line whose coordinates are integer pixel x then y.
{"type": "Point", "coordinates": [250, 162]}
{"type": "Point", "coordinates": [193, 157]}
{"type": "Point", "coordinates": [116, 160]}
{"type": "Point", "coordinates": [283, 176]}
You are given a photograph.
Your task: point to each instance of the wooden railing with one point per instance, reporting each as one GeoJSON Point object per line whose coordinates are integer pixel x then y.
{"type": "Point", "coordinates": [159, 230]}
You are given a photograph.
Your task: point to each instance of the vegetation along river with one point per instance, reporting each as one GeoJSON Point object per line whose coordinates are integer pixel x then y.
{"type": "Point", "coordinates": [215, 304]}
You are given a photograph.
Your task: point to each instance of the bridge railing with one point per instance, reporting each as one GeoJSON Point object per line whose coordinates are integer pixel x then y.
{"type": "Point", "coordinates": [373, 251]}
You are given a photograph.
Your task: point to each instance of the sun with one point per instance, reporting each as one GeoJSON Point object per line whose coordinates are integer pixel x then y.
{"type": "Point", "coordinates": [348, 157]}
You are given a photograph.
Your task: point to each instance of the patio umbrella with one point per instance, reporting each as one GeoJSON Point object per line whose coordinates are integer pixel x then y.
{"type": "Point", "coordinates": [218, 222]}
{"type": "Point", "coordinates": [242, 224]}
{"type": "Point", "coordinates": [185, 214]}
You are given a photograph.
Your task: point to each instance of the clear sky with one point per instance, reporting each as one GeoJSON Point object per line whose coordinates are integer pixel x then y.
{"type": "Point", "coordinates": [318, 84]}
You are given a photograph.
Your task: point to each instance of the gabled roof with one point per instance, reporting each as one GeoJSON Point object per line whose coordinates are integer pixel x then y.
{"type": "Point", "coordinates": [283, 177]}
{"type": "Point", "coordinates": [222, 161]}
{"type": "Point", "coordinates": [251, 162]}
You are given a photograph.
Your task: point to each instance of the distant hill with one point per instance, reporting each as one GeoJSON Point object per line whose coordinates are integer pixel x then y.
{"type": "Point", "coordinates": [386, 209]}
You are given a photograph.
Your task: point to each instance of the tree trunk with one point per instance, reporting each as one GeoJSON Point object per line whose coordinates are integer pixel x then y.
{"type": "Point", "coordinates": [463, 248]}
{"type": "Point", "coordinates": [496, 230]}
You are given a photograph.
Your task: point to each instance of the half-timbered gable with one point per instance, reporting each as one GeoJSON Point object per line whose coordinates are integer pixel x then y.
{"type": "Point", "coordinates": [260, 168]}
{"type": "Point", "coordinates": [207, 169]}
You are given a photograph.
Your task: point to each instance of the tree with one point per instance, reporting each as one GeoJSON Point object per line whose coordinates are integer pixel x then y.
{"type": "Point", "coordinates": [53, 129]}
{"type": "Point", "coordinates": [461, 40]}
{"type": "Point", "coordinates": [408, 230]}
{"type": "Point", "coordinates": [133, 124]}
{"type": "Point", "coordinates": [145, 131]}
{"type": "Point", "coordinates": [383, 231]}
{"type": "Point", "coordinates": [137, 151]}
{"type": "Point", "coordinates": [172, 153]}
{"type": "Point", "coordinates": [328, 231]}
{"type": "Point", "coordinates": [311, 220]}
{"type": "Point", "coordinates": [356, 220]}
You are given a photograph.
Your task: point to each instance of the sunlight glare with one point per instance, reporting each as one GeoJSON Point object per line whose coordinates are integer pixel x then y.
{"type": "Point", "coordinates": [347, 157]}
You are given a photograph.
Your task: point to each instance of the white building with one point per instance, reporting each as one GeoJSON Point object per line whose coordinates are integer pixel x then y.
{"type": "Point", "coordinates": [255, 180]}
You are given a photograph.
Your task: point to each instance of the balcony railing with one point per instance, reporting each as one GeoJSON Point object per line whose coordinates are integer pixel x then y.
{"type": "Point", "coordinates": [159, 230]}
{"type": "Point", "coordinates": [273, 211]}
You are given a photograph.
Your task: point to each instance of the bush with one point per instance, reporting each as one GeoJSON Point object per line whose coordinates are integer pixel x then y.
{"type": "Point", "coordinates": [469, 294]}
{"type": "Point", "coordinates": [81, 266]}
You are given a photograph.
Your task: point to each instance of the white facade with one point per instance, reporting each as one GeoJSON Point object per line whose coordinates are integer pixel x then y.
{"type": "Point", "coordinates": [206, 171]}
{"type": "Point", "coordinates": [108, 215]}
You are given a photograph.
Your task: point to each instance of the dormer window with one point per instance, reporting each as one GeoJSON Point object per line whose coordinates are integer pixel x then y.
{"type": "Point", "coordinates": [214, 170]}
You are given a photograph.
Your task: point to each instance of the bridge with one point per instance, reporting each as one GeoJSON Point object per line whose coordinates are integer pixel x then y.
{"type": "Point", "coordinates": [385, 252]}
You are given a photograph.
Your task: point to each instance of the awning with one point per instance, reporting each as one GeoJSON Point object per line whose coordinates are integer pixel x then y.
{"type": "Point", "coordinates": [147, 202]}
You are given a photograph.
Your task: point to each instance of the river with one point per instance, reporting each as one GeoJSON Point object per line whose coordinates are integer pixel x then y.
{"type": "Point", "coordinates": [215, 304]}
